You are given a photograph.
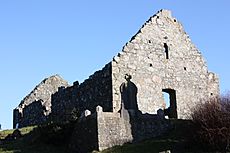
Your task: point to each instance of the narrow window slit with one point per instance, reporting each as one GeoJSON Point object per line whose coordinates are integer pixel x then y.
{"type": "Point", "coordinates": [166, 50]}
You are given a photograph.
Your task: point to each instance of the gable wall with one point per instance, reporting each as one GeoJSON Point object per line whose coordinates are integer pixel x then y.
{"type": "Point", "coordinates": [144, 58]}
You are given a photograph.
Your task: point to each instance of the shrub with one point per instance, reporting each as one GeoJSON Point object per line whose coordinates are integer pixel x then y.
{"type": "Point", "coordinates": [211, 121]}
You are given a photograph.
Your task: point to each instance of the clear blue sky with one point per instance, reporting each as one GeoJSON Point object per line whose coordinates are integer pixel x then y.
{"type": "Point", "coordinates": [74, 38]}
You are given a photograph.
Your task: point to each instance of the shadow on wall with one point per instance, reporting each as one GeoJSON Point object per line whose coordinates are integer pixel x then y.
{"type": "Point", "coordinates": [129, 94]}
{"type": "Point", "coordinates": [143, 126]}
{"type": "Point", "coordinates": [33, 114]}
{"type": "Point", "coordinates": [129, 98]}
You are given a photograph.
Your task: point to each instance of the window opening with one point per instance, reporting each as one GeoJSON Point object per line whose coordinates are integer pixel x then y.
{"type": "Point", "coordinates": [166, 50]}
{"type": "Point", "coordinates": [166, 99]}
{"type": "Point", "coordinates": [170, 102]}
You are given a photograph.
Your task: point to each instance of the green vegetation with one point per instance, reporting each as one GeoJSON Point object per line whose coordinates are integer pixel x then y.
{"type": "Point", "coordinates": [207, 131]}
{"type": "Point", "coordinates": [151, 146]}
{"type": "Point", "coordinates": [211, 120]}
{"type": "Point", "coordinates": [51, 138]}
{"type": "Point", "coordinates": [31, 142]}
{"type": "Point", "coordinates": [20, 146]}
{"type": "Point", "coordinates": [24, 131]}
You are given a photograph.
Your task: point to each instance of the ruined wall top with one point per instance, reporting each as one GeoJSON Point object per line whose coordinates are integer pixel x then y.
{"type": "Point", "coordinates": [36, 106]}
{"type": "Point", "coordinates": [43, 91]}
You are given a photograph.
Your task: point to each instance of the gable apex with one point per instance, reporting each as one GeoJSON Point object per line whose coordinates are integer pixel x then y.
{"type": "Point", "coordinates": [165, 13]}
{"type": "Point", "coordinates": [159, 28]}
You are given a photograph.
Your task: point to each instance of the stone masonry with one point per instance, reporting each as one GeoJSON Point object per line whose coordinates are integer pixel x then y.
{"type": "Point", "coordinates": [129, 90]}
{"type": "Point", "coordinates": [160, 58]}
{"type": "Point", "coordinates": [96, 90]}
{"type": "Point", "coordinates": [36, 106]}
{"type": "Point", "coordinates": [102, 130]}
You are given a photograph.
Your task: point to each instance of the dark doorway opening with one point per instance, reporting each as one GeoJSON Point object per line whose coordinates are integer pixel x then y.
{"type": "Point", "coordinates": [170, 101]}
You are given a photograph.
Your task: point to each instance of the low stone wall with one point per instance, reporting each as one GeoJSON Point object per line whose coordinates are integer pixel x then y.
{"type": "Point", "coordinates": [112, 130]}
{"type": "Point", "coordinates": [103, 130]}
{"type": "Point", "coordinates": [146, 126]}
{"type": "Point", "coordinates": [84, 137]}
{"type": "Point", "coordinates": [73, 100]}
{"type": "Point", "coordinates": [100, 131]}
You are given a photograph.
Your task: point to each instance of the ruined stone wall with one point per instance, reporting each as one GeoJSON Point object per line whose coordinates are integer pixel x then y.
{"type": "Point", "coordinates": [96, 90]}
{"type": "Point", "coordinates": [112, 130]}
{"type": "Point", "coordinates": [99, 131]}
{"type": "Point", "coordinates": [146, 126]}
{"type": "Point", "coordinates": [108, 129]}
{"type": "Point", "coordinates": [34, 108]}
{"type": "Point", "coordinates": [162, 56]}
{"type": "Point", "coordinates": [213, 84]}
{"type": "Point", "coordinates": [85, 137]}
{"type": "Point", "coordinates": [33, 114]}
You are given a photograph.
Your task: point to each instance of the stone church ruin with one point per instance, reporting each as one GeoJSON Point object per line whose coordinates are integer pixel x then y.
{"type": "Point", "coordinates": [124, 101]}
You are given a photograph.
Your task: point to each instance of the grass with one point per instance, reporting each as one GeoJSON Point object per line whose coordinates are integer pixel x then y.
{"type": "Point", "coordinates": [25, 144]}
{"type": "Point", "coordinates": [33, 142]}
{"type": "Point", "coordinates": [20, 146]}
{"type": "Point", "coordinates": [24, 131]}
{"type": "Point", "coordinates": [150, 146]}
{"type": "Point", "coordinates": [156, 146]}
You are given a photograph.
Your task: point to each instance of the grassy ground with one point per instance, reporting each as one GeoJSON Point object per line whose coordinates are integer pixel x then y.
{"type": "Point", "coordinates": [20, 147]}
{"type": "Point", "coordinates": [24, 131]}
{"type": "Point", "coordinates": [151, 146]}
{"type": "Point", "coordinates": [25, 144]}
{"type": "Point", "coordinates": [37, 141]}
{"type": "Point", "coordinates": [156, 146]}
